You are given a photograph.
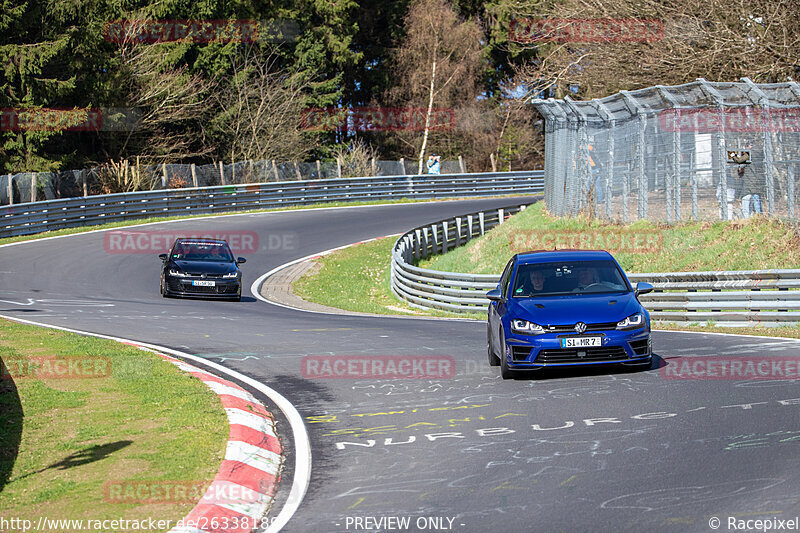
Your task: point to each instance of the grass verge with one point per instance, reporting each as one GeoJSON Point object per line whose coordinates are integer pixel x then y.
{"type": "Point", "coordinates": [134, 417]}
{"type": "Point", "coordinates": [755, 243]}
{"type": "Point", "coordinates": [357, 279]}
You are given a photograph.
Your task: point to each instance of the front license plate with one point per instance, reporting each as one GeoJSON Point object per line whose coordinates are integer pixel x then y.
{"type": "Point", "coordinates": [202, 283]}
{"type": "Point", "coordinates": [581, 342]}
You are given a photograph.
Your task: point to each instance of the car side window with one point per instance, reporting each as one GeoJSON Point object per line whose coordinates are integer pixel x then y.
{"type": "Point", "coordinates": [505, 279]}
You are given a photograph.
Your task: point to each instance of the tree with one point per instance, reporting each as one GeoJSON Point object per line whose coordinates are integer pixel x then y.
{"type": "Point", "coordinates": [437, 63]}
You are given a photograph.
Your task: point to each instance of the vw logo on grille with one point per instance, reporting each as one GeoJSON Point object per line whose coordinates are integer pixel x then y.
{"type": "Point", "coordinates": [204, 276]}
{"type": "Point", "coordinates": [580, 327]}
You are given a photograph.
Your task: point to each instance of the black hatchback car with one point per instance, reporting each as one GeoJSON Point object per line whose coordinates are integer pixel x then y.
{"type": "Point", "coordinates": [201, 268]}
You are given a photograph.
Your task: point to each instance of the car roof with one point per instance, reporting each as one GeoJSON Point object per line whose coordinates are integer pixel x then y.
{"type": "Point", "coordinates": [548, 256]}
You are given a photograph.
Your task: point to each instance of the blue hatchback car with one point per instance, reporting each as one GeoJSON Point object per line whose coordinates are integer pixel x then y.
{"type": "Point", "coordinates": [563, 308]}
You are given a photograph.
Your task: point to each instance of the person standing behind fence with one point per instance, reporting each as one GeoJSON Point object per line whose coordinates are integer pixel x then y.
{"type": "Point", "coordinates": [433, 164]}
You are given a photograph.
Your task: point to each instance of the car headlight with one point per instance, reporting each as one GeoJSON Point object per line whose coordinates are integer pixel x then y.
{"type": "Point", "coordinates": [632, 322]}
{"type": "Point", "coordinates": [525, 327]}
{"type": "Point", "coordinates": [231, 275]}
{"type": "Point", "coordinates": [178, 273]}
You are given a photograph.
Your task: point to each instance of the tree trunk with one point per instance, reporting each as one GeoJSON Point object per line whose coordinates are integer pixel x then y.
{"type": "Point", "coordinates": [428, 114]}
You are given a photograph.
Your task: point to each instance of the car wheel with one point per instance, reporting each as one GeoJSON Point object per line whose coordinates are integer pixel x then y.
{"type": "Point", "coordinates": [163, 289]}
{"type": "Point", "coordinates": [493, 359]}
{"type": "Point", "coordinates": [505, 371]}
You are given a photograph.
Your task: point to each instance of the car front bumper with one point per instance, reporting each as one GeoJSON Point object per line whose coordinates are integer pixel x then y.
{"type": "Point", "coordinates": [222, 288]}
{"type": "Point", "coordinates": [532, 352]}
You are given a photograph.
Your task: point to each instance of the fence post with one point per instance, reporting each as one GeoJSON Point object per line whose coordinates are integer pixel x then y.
{"type": "Point", "coordinates": [790, 189]}
{"type": "Point", "coordinates": [221, 174]}
{"type": "Point", "coordinates": [85, 184]}
{"type": "Point", "coordinates": [33, 186]}
{"type": "Point", "coordinates": [297, 171]}
{"type": "Point", "coordinates": [338, 167]}
{"type": "Point", "coordinates": [643, 185]}
{"type": "Point", "coordinates": [275, 170]}
{"type": "Point", "coordinates": [194, 176]}
{"type": "Point", "coordinates": [164, 178]}
{"type": "Point", "coordinates": [374, 168]}
{"type": "Point", "coordinates": [461, 164]}
{"type": "Point", "coordinates": [319, 170]}
{"type": "Point", "coordinates": [10, 188]}
{"type": "Point", "coordinates": [494, 163]}
{"type": "Point", "coordinates": [403, 166]}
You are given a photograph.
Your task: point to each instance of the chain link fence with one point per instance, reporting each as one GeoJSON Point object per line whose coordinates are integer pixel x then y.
{"type": "Point", "coordinates": [37, 186]}
{"type": "Point", "coordinates": [701, 151]}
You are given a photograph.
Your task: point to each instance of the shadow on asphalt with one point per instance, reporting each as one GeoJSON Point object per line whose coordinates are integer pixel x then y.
{"type": "Point", "coordinates": [588, 371]}
{"type": "Point", "coordinates": [11, 424]}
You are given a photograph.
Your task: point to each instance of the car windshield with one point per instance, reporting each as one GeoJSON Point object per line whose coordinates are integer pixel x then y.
{"type": "Point", "coordinates": [568, 277]}
{"type": "Point", "coordinates": [202, 251]}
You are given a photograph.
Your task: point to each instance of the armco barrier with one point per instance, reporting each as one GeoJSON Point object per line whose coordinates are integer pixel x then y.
{"type": "Point", "coordinates": [26, 219]}
{"type": "Point", "coordinates": [734, 298]}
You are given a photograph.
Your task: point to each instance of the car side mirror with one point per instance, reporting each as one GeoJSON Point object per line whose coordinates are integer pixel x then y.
{"type": "Point", "coordinates": [643, 288]}
{"type": "Point", "coordinates": [495, 295]}
{"type": "Point", "coordinates": [240, 260]}
{"type": "Point", "coordinates": [163, 257]}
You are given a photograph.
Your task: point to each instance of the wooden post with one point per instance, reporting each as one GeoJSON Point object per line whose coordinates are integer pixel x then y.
{"type": "Point", "coordinates": [374, 168]}
{"type": "Point", "coordinates": [297, 171]}
{"type": "Point", "coordinates": [164, 178]}
{"type": "Point", "coordinates": [462, 165]}
{"type": "Point", "coordinates": [221, 174]}
{"type": "Point", "coordinates": [194, 176]}
{"type": "Point", "coordinates": [85, 184]}
{"type": "Point", "coordinates": [403, 165]}
{"type": "Point", "coordinates": [338, 167]}
{"type": "Point", "coordinates": [138, 172]}
{"type": "Point", "coordinates": [33, 187]}
{"type": "Point", "coordinates": [10, 189]}
{"type": "Point", "coordinates": [494, 163]}
{"type": "Point", "coordinates": [319, 170]}
{"type": "Point", "coordinates": [275, 170]}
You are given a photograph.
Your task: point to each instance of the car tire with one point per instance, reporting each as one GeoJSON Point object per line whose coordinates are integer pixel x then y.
{"type": "Point", "coordinates": [163, 289]}
{"type": "Point", "coordinates": [493, 359]}
{"type": "Point", "coordinates": [505, 371]}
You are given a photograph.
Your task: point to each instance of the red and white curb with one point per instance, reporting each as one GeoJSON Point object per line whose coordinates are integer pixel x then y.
{"type": "Point", "coordinates": [243, 489]}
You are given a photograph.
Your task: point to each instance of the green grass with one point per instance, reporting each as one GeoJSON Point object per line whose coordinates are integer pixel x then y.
{"type": "Point", "coordinates": [142, 420]}
{"type": "Point", "coordinates": [357, 279]}
{"type": "Point", "coordinates": [755, 243]}
{"type": "Point", "coordinates": [147, 220]}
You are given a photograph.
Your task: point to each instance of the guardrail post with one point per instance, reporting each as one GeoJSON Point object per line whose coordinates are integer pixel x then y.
{"type": "Point", "coordinates": [481, 221]}
{"type": "Point", "coordinates": [499, 216]}
{"type": "Point", "coordinates": [445, 237]}
{"type": "Point", "coordinates": [417, 244]}
{"type": "Point", "coordinates": [435, 231]}
{"type": "Point", "coordinates": [469, 227]}
{"type": "Point", "coordinates": [458, 232]}
{"type": "Point", "coordinates": [426, 250]}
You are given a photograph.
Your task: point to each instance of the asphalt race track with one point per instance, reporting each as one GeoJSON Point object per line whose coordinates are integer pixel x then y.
{"type": "Point", "coordinates": [468, 452]}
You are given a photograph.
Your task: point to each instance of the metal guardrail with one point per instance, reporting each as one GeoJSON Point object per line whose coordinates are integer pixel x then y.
{"type": "Point", "coordinates": [734, 298]}
{"type": "Point", "coordinates": [30, 218]}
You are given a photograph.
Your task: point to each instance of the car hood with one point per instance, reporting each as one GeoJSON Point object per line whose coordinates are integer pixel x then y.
{"type": "Point", "coordinates": [570, 309]}
{"type": "Point", "coordinates": [205, 267]}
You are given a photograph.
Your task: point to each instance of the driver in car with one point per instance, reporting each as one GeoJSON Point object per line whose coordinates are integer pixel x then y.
{"type": "Point", "coordinates": [533, 283]}
{"type": "Point", "coordinates": [586, 277]}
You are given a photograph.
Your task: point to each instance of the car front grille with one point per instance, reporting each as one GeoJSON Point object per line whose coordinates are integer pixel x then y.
{"type": "Point", "coordinates": [570, 328]}
{"type": "Point", "coordinates": [227, 288]}
{"type": "Point", "coordinates": [590, 355]}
